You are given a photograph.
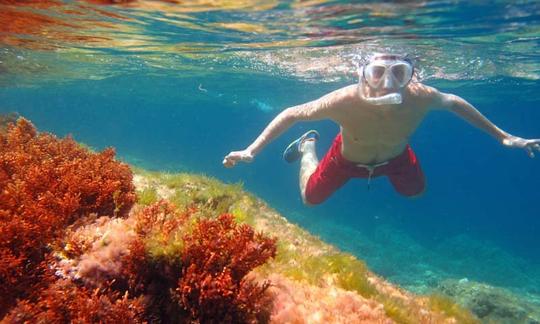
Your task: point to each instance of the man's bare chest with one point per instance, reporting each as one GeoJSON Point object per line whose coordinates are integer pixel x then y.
{"type": "Point", "coordinates": [392, 123]}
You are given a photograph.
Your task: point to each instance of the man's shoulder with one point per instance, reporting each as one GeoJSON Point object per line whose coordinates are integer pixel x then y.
{"type": "Point", "coordinates": [341, 95]}
{"type": "Point", "coordinates": [350, 89]}
{"type": "Point", "coordinates": [423, 91]}
{"type": "Point", "coordinates": [349, 92]}
{"type": "Point", "coordinates": [425, 95]}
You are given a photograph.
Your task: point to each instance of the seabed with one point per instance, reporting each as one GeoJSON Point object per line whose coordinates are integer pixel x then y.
{"type": "Point", "coordinates": [128, 245]}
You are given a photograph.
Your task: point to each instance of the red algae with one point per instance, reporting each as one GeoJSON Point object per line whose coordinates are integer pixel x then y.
{"type": "Point", "coordinates": [73, 250]}
{"type": "Point", "coordinates": [7, 119]}
{"type": "Point", "coordinates": [217, 257]}
{"type": "Point", "coordinates": [205, 281]}
{"type": "Point", "coordinates": [65, 302]}
{"type": "Point", "coordinates": [48, 183]}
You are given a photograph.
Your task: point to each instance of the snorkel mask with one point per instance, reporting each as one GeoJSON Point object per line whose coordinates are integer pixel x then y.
{"type": "Point", "coordinates": [386, 72]}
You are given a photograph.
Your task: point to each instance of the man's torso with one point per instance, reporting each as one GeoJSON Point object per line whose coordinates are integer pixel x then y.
{"type": "Point", "coordinates": [374, 134]}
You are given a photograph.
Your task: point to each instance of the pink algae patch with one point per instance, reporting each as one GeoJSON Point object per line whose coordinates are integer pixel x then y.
{"type": "Point", "coordinates": [296, 302]}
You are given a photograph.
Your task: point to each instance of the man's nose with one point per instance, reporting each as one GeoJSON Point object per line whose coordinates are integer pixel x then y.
{"type": "Point", "coordinates": [388, 82]}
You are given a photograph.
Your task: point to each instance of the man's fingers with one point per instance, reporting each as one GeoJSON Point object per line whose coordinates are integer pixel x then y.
{"type": "Point", "coordinates": [530, 152]}
{"type": "Point", "coordinates": [228, 162]}
{"type": "Point", "coordinates": [536, 147]}
{"type": "Point", "coordinates": [238, 156]}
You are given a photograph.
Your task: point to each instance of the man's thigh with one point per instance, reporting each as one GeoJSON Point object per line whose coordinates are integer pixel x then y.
{"type": "Point", "coordinates": [327, 178]}
{"type": "Point", "coordinates": [408, 178]}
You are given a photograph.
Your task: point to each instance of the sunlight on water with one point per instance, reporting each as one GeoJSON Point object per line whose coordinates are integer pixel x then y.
{"type": "Point", "coordinates": [318, 41]}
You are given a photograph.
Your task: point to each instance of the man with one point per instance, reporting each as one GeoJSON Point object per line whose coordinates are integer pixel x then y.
{"type": "Point", "coordinates": [376, 116]}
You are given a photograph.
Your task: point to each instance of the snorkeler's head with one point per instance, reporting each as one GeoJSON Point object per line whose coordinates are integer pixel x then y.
{"type": "Point", "coordinates": [385, 75]}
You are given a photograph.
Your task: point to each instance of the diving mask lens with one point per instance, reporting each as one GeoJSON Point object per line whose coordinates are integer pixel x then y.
{"type": "Point", "coordinates": [402, 73]}
{"type": "Point", "coordinates": [376, 72]}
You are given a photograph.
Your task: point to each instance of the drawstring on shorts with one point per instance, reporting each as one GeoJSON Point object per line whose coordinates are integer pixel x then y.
{"type": "Point", "coordinates": [371, 169]}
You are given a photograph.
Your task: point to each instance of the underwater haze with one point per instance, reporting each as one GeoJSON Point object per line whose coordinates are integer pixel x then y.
{"type": "Point", "coordinates": [176, 86]}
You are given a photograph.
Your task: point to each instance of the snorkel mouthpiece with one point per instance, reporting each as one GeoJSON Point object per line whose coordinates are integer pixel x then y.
{"type": "Point", "coordinates": [385, 72]}
{"type": "Point", "coordinates": [389, 99]}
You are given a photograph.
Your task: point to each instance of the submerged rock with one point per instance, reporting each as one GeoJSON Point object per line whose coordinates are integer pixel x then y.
{"type": "Point", "coordinates": [311, 281]}
{"type": "Point", "coordinates": [491, 304]}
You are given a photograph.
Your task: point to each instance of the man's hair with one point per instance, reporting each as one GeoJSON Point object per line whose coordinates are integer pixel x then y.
{"type": "Point", "coordinates": [391, 56]}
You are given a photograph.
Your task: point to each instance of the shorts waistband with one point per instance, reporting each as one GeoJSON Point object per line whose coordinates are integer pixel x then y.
{"type": "Point", "coordinates": [369, 167]}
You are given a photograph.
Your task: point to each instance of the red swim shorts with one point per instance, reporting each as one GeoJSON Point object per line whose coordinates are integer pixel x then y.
{"type": "Point", "coordinates": [334, 171]}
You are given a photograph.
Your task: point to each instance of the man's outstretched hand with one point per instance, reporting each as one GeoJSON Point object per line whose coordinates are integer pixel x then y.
{"type": "Point", "coordinates": [529, 145]}
{"type": "Point", "coordinates": [244, 156]}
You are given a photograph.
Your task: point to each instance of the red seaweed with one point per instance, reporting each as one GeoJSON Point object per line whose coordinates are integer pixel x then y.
{"type": "Point", "coordinates": [217, 257]}
{"type": "Point", "coordinates": [52, 187]}
{"type": "Point", "coordinates": [46, 184]}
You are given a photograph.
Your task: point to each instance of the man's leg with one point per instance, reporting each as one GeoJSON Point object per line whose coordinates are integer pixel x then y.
{"type": "Point", "coordinates": [320, 179]}
{"type": "Point", "coordinates": [406, 175]}
{"type": "Point", "coordinates": [308, 164]}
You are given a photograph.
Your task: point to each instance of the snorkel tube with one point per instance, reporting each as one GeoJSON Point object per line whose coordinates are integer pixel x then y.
{"type": "Point", "coordinates": [389, 99]}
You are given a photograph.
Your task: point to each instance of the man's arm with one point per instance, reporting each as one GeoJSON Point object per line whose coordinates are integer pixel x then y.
{"type": "Point", "coordinates": [314, 110]}
{"type": "Point", "coordinates": [465, 110]}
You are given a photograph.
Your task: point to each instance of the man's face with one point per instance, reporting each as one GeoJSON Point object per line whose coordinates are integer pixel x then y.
{"type": "Point", "coordinates": [387, 74]}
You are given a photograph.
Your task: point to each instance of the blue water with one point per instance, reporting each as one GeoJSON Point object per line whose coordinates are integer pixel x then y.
{"type": "Point", "coordinates": [176, 92]}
